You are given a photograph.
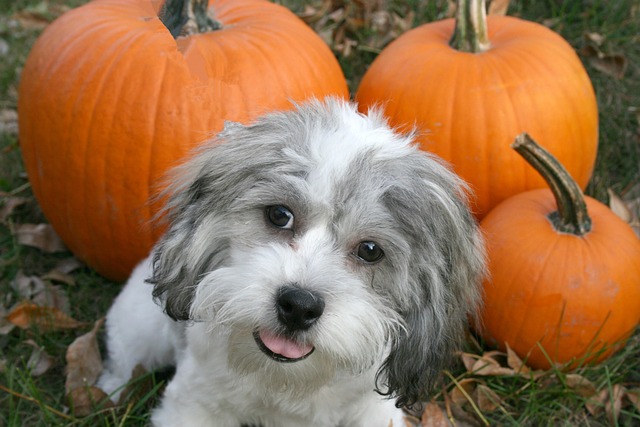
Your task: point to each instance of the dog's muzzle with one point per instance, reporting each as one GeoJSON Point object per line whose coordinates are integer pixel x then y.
{"type": "Point", "coordinates": [297, 310]}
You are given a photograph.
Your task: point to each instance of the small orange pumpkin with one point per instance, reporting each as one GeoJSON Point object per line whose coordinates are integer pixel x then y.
{"type": "Point", "coordinates": [565, 272]}
{"type": "Point", "coordinates": [470, 95]}
{"type": "Point", "coordinates": [109, 100]}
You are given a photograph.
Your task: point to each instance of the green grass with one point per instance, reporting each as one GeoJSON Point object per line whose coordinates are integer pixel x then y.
{"type": "Point", "coordinates": [26, 400]}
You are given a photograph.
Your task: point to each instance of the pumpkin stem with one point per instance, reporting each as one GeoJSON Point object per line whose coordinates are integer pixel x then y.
{"type": "Point", "coordinates": [187, 17]}
{"type": "Point", "coordinates": [572, 216]}
{"type": "Point", "coordinates": [470, 33]}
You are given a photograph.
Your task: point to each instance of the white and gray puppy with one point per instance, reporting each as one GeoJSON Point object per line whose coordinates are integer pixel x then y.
{"type": "Point", "coordinates": [318, 270]}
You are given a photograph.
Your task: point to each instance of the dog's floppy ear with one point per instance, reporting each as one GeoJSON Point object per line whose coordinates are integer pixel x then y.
{"type": "Point", "coordinates": [446, 266]}
{"type": "Point", "coordinates": [196, 240]}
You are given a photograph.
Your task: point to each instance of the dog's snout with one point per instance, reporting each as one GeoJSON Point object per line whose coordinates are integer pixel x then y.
{"type": "Point", "coordinates": [297, 308]}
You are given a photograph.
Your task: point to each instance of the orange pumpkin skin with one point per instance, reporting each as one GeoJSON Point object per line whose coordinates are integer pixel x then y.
{"type": "Point", "coordinates": [575, 296]}
{"type": "Point", "coordinates": [109, 101]}
{"type": "Point", "coordinates": [468, 107]}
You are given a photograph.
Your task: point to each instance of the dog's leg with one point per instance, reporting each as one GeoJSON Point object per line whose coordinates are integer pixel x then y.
{"type": "Point", "coordinates": [376, 411]}
{"type": "Point", "coordinates": [138, 333]}
{"type": "Point", "coordinates": [199, 395]}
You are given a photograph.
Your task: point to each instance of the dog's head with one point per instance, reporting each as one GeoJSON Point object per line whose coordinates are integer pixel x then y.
{"type": "Point", "coordinates": [320, 236]}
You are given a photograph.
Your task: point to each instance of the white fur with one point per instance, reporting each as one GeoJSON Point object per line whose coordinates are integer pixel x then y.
{"type": "Point", "coordinates": [223, 398]}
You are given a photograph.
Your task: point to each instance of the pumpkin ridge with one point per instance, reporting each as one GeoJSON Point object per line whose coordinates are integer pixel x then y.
{"type": "Point", "coordinates": [534, 293]}
{"type": "Point", "coordinates": [81, 189]}
{"type": "Point", "coordinates": [152, 154]}
{"type": "Point", "coordinates": [104, 233]}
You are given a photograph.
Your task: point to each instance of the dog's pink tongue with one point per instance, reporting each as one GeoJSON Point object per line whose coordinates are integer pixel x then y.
{"type": "Point", "coordinates": [284, 346]}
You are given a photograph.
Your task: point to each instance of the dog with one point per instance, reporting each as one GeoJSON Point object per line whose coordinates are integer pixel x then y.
{"type": "Point", "coordinates": [318, 270]}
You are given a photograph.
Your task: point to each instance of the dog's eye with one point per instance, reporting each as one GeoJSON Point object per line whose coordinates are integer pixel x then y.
{"type": "Point", "coordinates": [369, 252]}
{"type": "Point", "coordinates": [280, 216]}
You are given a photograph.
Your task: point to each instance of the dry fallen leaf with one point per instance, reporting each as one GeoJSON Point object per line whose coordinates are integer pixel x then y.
{"type": "Point", "coordinates": [486, 399]}
{"type": "Point", "coordinates": [468, 360]}
{"type": "Point", "coordinates": [84, 363]}
{"type": "Point", "coordinates": [85, 400]}
{"type": "Point", "coordinates": [514, 362]}
{"type": "Point", "coordinates": [619, 207]}
{"type": "Point", "coordinates": [41, 236]}
{"type": "Point", "coordinates": [27, 314]}
{"type": "Point", "coordinates": [40, 292]}
{"type": "Point", "coordinates": [614, 65]}
{"type": "Point", "coordinates": [10, 204]}
{"type": "Point", "coordinates": [27, 286]}
{"type": "Point", "coordinates": [487, 365]}
{"type": "Point", "coordinates": [631, 199]}
{"type": "Point", "coordinates": [614, 406]}
{"type": "Point", "coordinates": [462, 391]}
{"type": "Point", "coordinates": [633, 396]}
{"type": "Point", "coordinates": [40, 361]}
{"type": "Point", "coordinates": [59, 277]}
{"type": "Point", "coordinates": [68, 265]}
{"type": "Point", "coordinates": [38, 16]}
{"type": "Point", "coordinates": [5, 326]}
{"type": "Point", "coordinates": [582, 386]}
{"type": "Point", "coordinates": [494, 7]}
{"type": "Point", "coordinates": [498, 7]}
{"type": "Point", "coordinates": [434, 416]}
{"type": "Point", "coordinates": [594, 38]}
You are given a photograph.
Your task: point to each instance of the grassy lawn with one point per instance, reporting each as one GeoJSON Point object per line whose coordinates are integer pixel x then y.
{"type": "Point", "coordinates": [606, 35]}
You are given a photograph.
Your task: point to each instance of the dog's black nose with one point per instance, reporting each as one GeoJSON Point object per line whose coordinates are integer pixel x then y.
{"type": "Point", "coordinates": [298, 308]}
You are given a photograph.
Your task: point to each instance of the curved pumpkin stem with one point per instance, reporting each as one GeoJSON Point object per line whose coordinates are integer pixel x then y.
{"type": "Point", "coordinates": [187, 17]}
{"type": "Point", "coordinates": [572, 216]}
{"type": "Point", "coordinates": [470, 34]}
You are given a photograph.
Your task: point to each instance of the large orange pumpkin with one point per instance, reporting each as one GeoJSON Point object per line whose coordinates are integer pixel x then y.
{"type": "Point", "coordinates": [109, 100]}
{"type": "Point", "coordinates": [469, 98]}
{"type": "Point", "coordinates": [565, 272]}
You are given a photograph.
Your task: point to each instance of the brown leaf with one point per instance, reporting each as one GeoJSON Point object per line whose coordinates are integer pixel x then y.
{"type": "Point", "coordinates": [619, 207]}
{"type": "Point", "coordinates": [433, 416]}
{"type": "Point", "coordinates": [27, 314]}
{"type": "Point", "coordinates": [596, 403]}
{"type": "Point", "coordinates": [633, 396]}
{"type": "Point", "coordinates": [452, 7]}
{"type": "Point", "coordinates": [10, 204]}
{"type": "Point", "coordinates": [53, 296]}
{"type": "Point", "coordinates": [40, 292]}
{"type": "Point", "coordinates": [40, 361]}
{"type": "Point", "coordinates": [41, 236]}
{"type": "Point", "coordinates": [614, 65]}
{"type": "Point", "coordinates": [593, 38]}
{"type": "Point", "coordinates": [498, 7]}
{"type": "Point", "coordinates": [58, 276]}
{"type": "Point", "coordinates": [514, 362]}
{"type": "Point", "coordinates": [631, 198]}
{"type": "Point", "coordinates": [469, 360]}
{"type": "Point", "coordinates": [487, 399]}
{"type": "Point", "coordinates": [84, 363]}
{"type": "Point", "coordinates": [488, 366]}
{"type": "Point", "coordinates": [5, 326]}
{"type": "Point", "coordinates": [68, 265]}
{"type": "Point", "coordinates": [37, 17]}
{"type": "Point", "coordinates": [27, 287]}
{"type": "Point", "coordinates": [614, 406]}
{"type": "Point", "coordinates": [582, 386]}
{"type": "Point", "coordinates": [610, 402]}
{"type": "Point", "coordinates": [463, 391]}
{"type": "Point", "coordinates": [409, 421]}
{"type": "Point", "coordinates": [85, 400]}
